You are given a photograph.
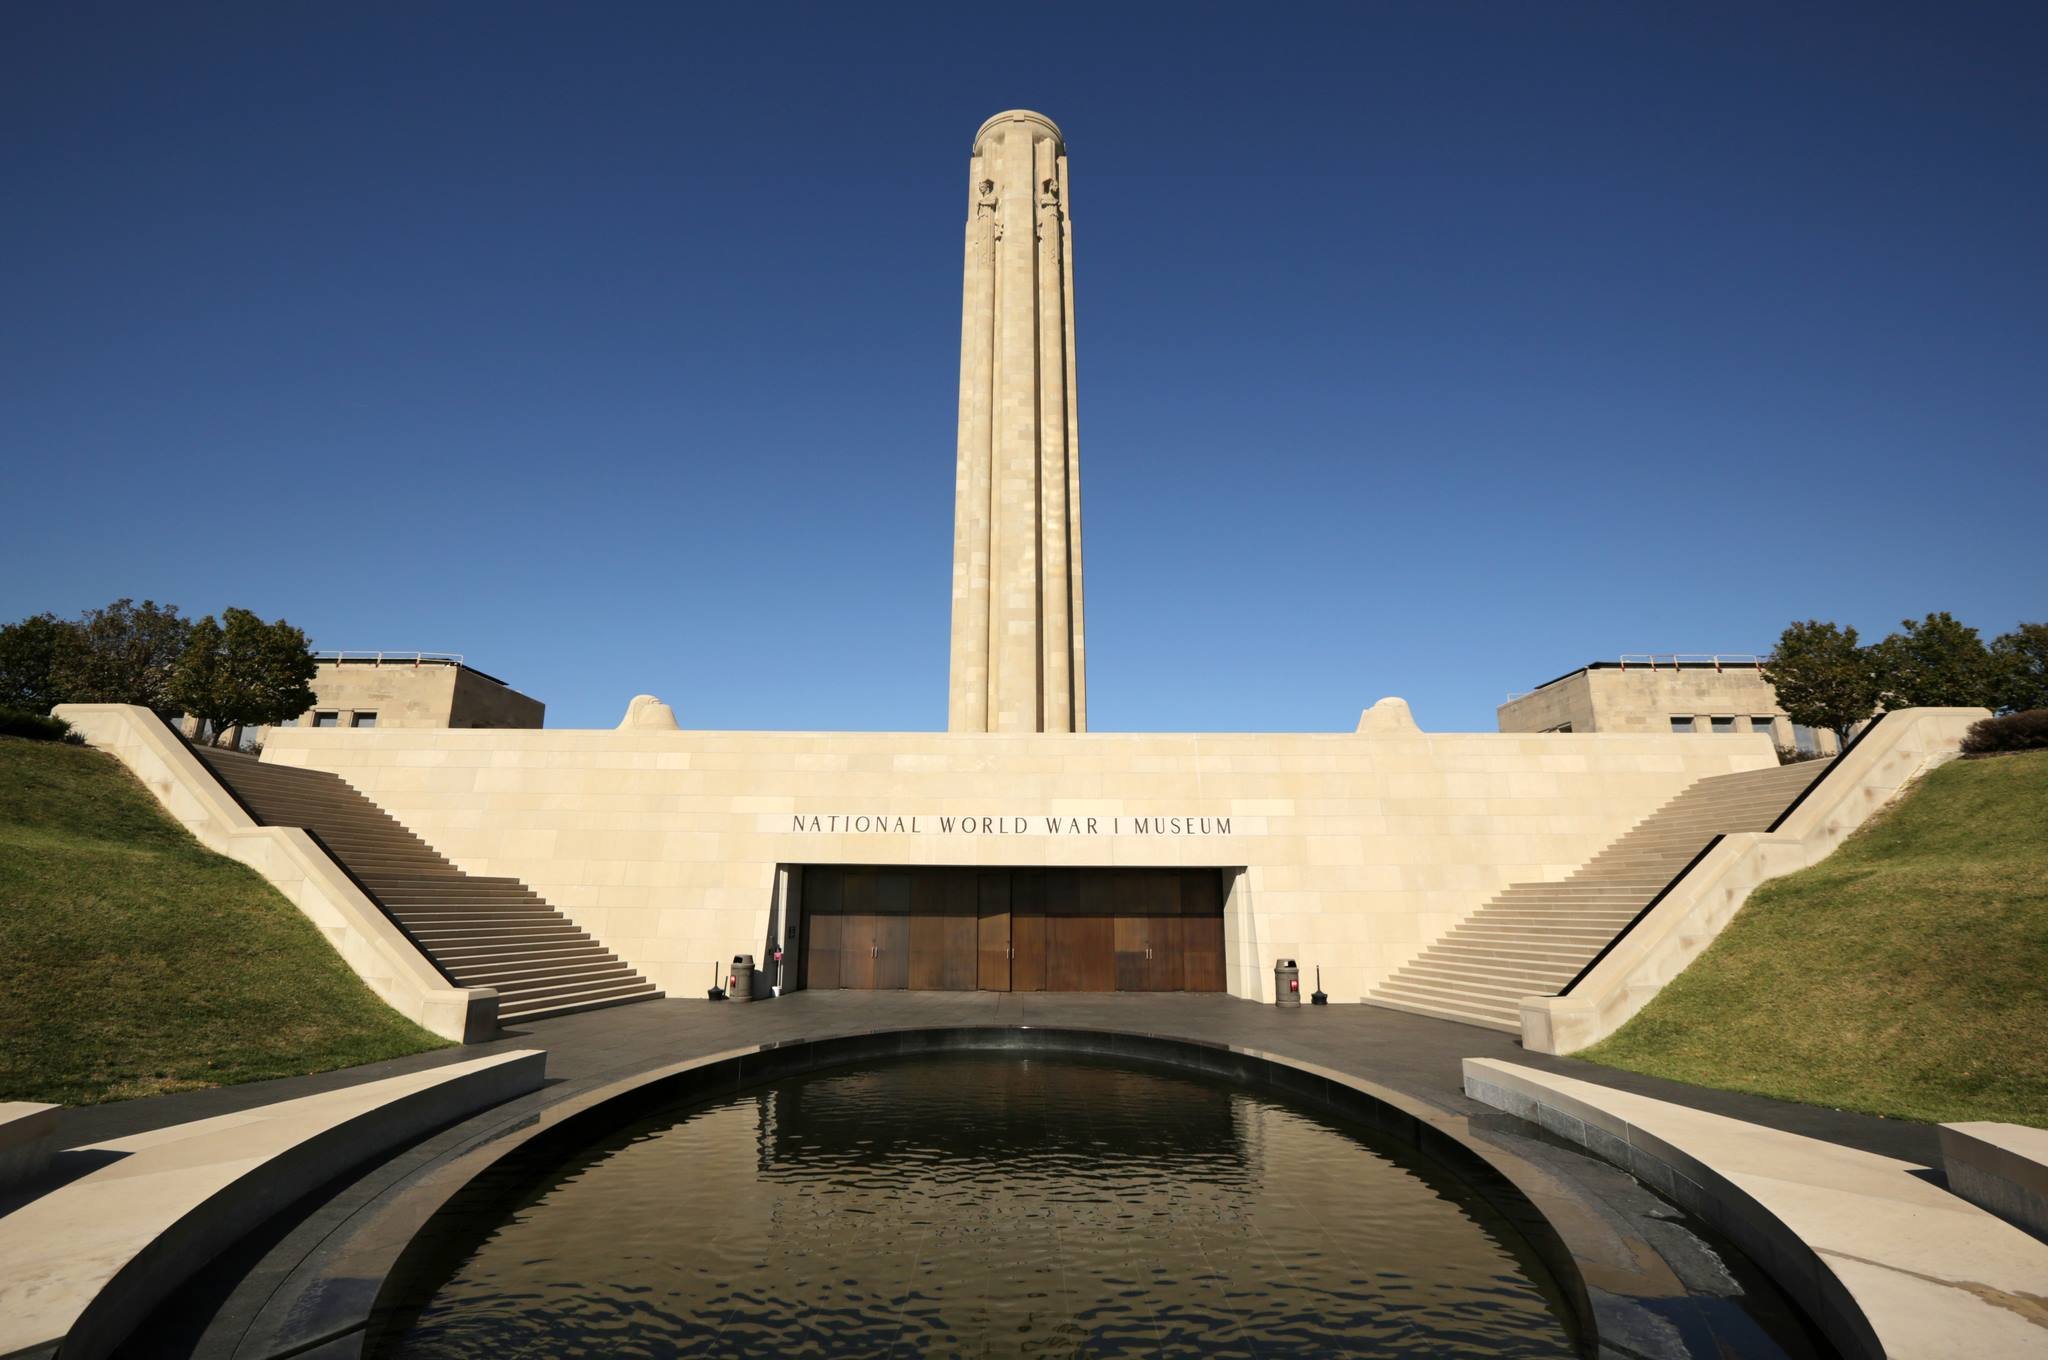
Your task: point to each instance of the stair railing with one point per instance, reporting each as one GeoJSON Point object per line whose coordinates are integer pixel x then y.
{"type": "Point", "coordinates": [1834, 764]}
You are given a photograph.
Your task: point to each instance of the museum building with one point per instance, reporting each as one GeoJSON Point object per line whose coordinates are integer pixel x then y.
{"type": "Point", "coordinates": [1017, 850]}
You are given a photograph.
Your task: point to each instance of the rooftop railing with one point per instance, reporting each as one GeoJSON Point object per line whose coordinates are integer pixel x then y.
{"type": "Point", "coordinates": [390, 658]}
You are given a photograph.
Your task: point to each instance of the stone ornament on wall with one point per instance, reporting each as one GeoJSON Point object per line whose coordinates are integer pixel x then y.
{"type": "Point", "coordinates": [1389, 717]}
{"type": "Point", "coordinates": [647, 711]}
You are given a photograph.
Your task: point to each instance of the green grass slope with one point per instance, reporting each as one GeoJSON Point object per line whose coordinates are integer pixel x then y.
{"type": "Point", "coordinates": [133, 961]}
{"type": "Point", "coordinates": [1905, 975]}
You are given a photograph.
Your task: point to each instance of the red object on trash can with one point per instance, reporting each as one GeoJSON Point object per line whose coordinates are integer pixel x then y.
{"type": "Point", "coordinates": [1294, 984]}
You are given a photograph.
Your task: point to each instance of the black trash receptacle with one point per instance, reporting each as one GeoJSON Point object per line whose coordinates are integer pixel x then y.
{"type": "Point", "coordinates": [1286, 983]}
{"type": "Point", "coordinates": [739, 984]}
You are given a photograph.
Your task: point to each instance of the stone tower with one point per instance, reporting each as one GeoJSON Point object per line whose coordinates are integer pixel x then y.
{"type": "Point", "coordinates": [1017, 663]}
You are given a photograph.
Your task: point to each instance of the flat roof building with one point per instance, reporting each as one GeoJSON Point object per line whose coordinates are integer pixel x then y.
{"type": "Point", "coordinates": [1680, 693]}
{"type": "Point", "coordinates": [413, 689]}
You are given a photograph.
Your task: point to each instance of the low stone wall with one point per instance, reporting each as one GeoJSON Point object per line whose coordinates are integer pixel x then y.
{"type": "Point", "coordinates": [295, 865]}
{"type": "Point", "coordinates": [1888, 1265]}
{"type": "Point", "coordinates": [27, 1138]}
{"type": "Point", "coordinates": [83, 1264]}
{"type": "Point", "coordinates": [2002, 1168]}
{"type": "Point", "coordinates": [1899, 749]}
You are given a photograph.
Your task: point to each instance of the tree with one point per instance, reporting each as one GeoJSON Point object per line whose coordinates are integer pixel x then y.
{"type": "Point", "coordinates": [2020, 668]}
{"type": "Point", "coordinates": [126, 654]}
{"type": "Point", "coordinates": [1823, 678]}
{"type": "Point", "coordinates": [1935, 663]}
{"type": "Point", "coordinates": [244, 672]}
{"type": "Point", "coordinates": [33, 652]}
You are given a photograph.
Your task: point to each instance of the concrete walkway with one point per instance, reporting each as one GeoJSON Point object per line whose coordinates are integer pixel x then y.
{"type": "Point", "coordinates": [1905, 1269]}
{"type": "Point", "coordinates": [1414, 1054]}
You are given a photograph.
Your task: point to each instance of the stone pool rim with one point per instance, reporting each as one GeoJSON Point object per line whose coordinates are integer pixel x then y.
{"type": "Point", "coordinates": [388, 1263]}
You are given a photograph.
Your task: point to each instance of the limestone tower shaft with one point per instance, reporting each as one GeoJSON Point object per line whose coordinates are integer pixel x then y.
{"type": "Point", "coordinates": [1017, 660]}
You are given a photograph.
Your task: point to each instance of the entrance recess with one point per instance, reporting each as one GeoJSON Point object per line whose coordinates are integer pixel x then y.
{"type": "Point", "coordinates": [1013, 930]}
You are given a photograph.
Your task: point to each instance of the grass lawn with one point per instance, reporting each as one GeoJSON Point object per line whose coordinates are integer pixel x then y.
{"type": "Point", "coordinates": [1905, 975]}
{"type": "Point", "coordinates": [134, 962]}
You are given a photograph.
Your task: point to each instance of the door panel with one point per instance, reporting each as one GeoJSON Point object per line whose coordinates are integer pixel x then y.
{"type": "Point", "coordinates": [821, 950]}
{"type": "Point", "coordinates": [892, 950]}
{"type": "Point", "coordinates": [1202, 953]}
{"type": "Point", "coordinates": [963, 926]}
{"type": "Point", "coordinates": [1201, 925]}
{"type": "Point", "coordinates": [993, 936]}
{"type": "Point", "coordinates": [857, 934]}
{"type": "Point", "coordinates": [1133, 936]}
{"type": "Point", "coordinates": [823, 924]}
{"type": "Point", "coordinates": [1029, 893]}
{"type": "Point", "coordinates": [1164, 969]}
{"type": "Point", "coordinates": [928, 923]}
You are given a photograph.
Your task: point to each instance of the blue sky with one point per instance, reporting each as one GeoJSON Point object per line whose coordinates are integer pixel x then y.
{"type": "Point", "coordinates": [1425, 349]}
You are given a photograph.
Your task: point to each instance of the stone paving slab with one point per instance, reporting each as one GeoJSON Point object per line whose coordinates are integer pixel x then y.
{"type": "Point", "coordinates": [82, 1260]}
{"type": "Point", "coordinates": [1874, 1250]}
{"type": "Point", "coordinates": [1418, 1055]}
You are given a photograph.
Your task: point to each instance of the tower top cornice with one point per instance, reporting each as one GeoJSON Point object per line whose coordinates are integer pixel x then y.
{"type": "Point", "coordinates": [1021, 116]}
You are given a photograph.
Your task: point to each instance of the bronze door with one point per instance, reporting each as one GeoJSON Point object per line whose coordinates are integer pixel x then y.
{"type": "Point", "coordinates": [1201, 925]}
{"type": "Point", "coordinates": [1028, 889]}
{"type": "Point", "coordinates": [1067, 930]}
{"type": "Point", "coordinates": [942, 933]}
{"type": "Point", "coordinates": [824, 927]}
{"type": "Point", "coordinates": [858, 947]}
{"type": "Point", "coordinates": [892, 931]}
{"type": "Point", "coordinates": [1080, 936]}
{"type": "Point", "coordinates": [992, 912]}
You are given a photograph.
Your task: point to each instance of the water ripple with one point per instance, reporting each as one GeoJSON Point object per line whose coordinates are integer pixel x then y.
{"type": "Point", "coordinates": [989, 1205]}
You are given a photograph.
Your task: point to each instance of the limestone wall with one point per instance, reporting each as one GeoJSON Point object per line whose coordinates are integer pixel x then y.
{"type": "Point", "coordinates": [377, 951]}
{"type": "Point", "coordinates": [1699, 905]}
{"type": "Point", "coordinates": [1357, 850]}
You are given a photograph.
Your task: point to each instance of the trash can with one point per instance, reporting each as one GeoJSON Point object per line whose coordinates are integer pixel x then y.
{"type": "Point", "coordinates": [740, 984]}
{"type": "Point", "coordinates": [1286, 983]}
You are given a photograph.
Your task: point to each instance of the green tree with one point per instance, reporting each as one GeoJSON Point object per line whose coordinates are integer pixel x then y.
{"type": "Point", "coordinates": [33, 652]}
{"type": "Point", "coordinates": [126, 654]}
{"type": "Point", "coordinates": [2019, 662]}
{"type": "Point", "coordinates": [244, 672]}
{"type": "Point", "coordinates": [1935, 663]}
{"type": "Point", "coordinates": [1823, 678]}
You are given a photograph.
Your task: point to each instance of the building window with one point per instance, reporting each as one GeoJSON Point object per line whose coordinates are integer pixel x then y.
{"type": "Point", "coordinates": [1805, 738]}
{"type": "Point", "coordinates": [289, 722]}
{"type": "Point", "coordinates": [1561, 727]}
{"type": "Point", "coordinates": [1683, 725]}
{"type": "Point", "coordinates": [363, 720]}
{"type": "Point", "coordinates": [1724, 726]}
{"type": "Point", "coordinates": [326, 720]}
{"type": "Point", "coordinates": [1766, 725]}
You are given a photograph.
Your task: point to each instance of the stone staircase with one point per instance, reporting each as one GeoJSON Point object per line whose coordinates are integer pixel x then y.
{"type": "Point", "coordinates": [481, 932]}
{"type": "Point", "coordinates": [1535, 937]}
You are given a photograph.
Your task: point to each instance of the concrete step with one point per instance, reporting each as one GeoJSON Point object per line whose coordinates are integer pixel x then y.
{"type": "Point", "coordinates": [458, 957]}
{"type": "Point", "coordinates": [507, 932]}
{"type": "Point", "coordinates": [1550, 927]}
{"type": "Point", "coordinates": [570, 1005]}
{"type": "Point", "coordinates": [1477, 1019]}
{"type": "Point", "coordinates": [481, 931]}
{"type": "Point", "coordinates": [1526, 983]}
{"type": "Point", "coordinates": [1469, 990]}
{"type": "Point", "coordinates": [1448, 1006]}
{"type": "Point", "coordinates": [521, 993]}
{"type": "Point", "coordinates": [513, 973]}
{"type": "Point", "coordinates": [1547, 956]}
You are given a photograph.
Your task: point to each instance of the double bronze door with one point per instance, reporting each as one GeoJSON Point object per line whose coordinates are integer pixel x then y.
{"type": "Point", "coordinates": [1023, 930]}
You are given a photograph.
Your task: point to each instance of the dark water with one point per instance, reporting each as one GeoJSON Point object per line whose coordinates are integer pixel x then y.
{"type": "Point", "coordinates": [990, 1206]}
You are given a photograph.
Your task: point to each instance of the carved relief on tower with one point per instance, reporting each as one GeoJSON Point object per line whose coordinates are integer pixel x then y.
{"type": "Point", "coordinates": [1049, 210]}
{"type": "Point", "coordinates": [988, 220]}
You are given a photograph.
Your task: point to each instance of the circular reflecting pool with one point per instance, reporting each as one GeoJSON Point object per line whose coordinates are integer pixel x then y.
{"type": "Point", "coordinates": [991, 1205]}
